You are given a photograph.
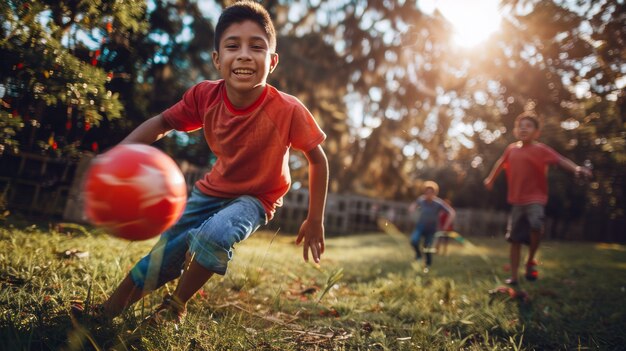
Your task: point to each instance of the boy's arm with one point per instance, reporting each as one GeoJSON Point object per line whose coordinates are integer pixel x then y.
{"type": "Point", "coordinates": [149, 131]}
{"type": "Point", "coordinates": [569, 165]}
{"type": "Point", "coordinates": [451, 213]}
{"type": "Point", "coordinates": [495, 171]}
{"type": "Point", "coordinates": [415, 204]}
{"type": "Point", "coordinates": [312, 229]}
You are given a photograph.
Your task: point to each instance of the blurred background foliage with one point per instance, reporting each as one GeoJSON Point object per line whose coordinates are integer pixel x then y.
{"type": "Point", "coordinates": [400, 101]}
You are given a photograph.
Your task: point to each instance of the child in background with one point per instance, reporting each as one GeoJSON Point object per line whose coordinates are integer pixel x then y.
{"type": "Point", "coordinates": [241, 116]}
{"type": "Point", "coordinates": [526, 163]}
{"type": "Point", "coordinates": [430, 205]}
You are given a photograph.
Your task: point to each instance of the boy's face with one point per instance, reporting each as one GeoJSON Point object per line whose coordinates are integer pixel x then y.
{"type": "Point", "coordinates": [526, 131]}
{"type": "Point", "coordinates": [429, 193]}
{"type": "Point", "coordinates": [244, 59]}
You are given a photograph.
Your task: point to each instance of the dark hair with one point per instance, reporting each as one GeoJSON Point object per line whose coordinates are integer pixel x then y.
{"type": "Point", "coordinates": [531, 116]}
{"type": "Point", "coordinates": [242, 11]}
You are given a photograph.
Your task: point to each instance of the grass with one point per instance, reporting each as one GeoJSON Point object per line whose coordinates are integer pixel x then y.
{"type": "Point", "coordinates": [368, 294]}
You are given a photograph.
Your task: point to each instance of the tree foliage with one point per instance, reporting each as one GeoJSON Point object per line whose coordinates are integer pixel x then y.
{"type": "Point", "coordinates": [53, 87]}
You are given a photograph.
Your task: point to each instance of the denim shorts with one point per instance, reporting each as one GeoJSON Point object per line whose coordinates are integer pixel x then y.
{"type": "Point", "coordinates": [208, 229]}
{"type": "Point", "coordinates": [425, 232]}
{"type": "Point", "coordinates": [522, 220]}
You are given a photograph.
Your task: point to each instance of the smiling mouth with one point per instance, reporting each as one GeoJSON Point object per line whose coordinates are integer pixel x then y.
{"type": "Point", "coordinates": [243, 71]}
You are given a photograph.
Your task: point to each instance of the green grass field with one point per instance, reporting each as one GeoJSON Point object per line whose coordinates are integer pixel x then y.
{"type": "Point", "coordinates": [368, 294]}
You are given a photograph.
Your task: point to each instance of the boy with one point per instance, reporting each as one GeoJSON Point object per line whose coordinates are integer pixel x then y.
{"type": "Point", "coordinates": [526, 163]}
{"type": "Point", "coordinates": [241, 115]}
{"type": "Point", "coordinates": [430, 206]}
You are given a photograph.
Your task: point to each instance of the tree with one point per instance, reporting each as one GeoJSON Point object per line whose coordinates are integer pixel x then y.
{"type": "Point", "coordinates": [54, 89]}
{"type": "Point", "coordinates": [562, 61]}
{"type": "Point", "coordinates": [382, 60]}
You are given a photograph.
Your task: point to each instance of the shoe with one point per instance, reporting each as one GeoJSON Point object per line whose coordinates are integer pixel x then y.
{"type": "Point", "coordinates": [531, 272]}
{"type": "Point", "coordinates": [171, 310]}
{"type": "Point", "coordinates": [80, 311]}
{"type": "Point", "coordinates": [510, 281]}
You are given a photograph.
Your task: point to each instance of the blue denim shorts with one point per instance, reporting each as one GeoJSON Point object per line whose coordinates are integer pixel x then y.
{"type": "Point", "coordinates": [208, 229]}
{"type": "Point", "coordinates": [423, 231]}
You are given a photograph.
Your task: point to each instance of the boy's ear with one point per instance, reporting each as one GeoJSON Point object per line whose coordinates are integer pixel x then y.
{"type": "Point", "coordinates": [273, 61]}
{"type": "Point", "coordinates": [216, 59]}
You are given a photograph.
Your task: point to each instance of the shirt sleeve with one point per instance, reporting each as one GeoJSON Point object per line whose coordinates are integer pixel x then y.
{"type": "Point", "coordinates": [550, 155]}
{"type": "Point", "coordinates": [304, 133]}
{"type": "Point", "coordinates": [505, 156]}
{"type": "Point", "coordinates": [186, 114]}
{"type": "Point", "coordinates": [420, 201]}
{"type": "Point", "coordinates": [442, 207]}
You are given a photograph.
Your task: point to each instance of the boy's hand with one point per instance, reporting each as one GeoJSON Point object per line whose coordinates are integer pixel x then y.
{"type": "Point", "coordinates": [313, 235]}
{"type": "Point", "coordinates": [584, 171]}
{"type": "Point", "coordinates": [488, 183]}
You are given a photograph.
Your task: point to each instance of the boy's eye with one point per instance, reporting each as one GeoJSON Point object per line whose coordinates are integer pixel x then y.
{"type": "Point", "coordinates": [257, 46]}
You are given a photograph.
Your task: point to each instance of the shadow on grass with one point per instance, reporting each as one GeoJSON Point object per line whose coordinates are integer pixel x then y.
{"type": "Point", "coordinates": [58, 332]}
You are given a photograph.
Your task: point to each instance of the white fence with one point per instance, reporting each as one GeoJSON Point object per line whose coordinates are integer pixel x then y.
{"type": "Point", "coordinates": [349, 214]}
{"type": "Point", "coordinates": [345, 214]}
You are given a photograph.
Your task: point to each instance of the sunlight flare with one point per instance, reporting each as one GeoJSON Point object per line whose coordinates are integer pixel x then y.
{"type": "Point", "coordinates": [473, 20]}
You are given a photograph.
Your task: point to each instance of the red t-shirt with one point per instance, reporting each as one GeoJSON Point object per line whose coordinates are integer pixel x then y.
{"type": "Point", "coordinates": [443, 217]}
{"type": "Point", "coordinates": [526, 169]}
{"type": "Point", "coordinates": [252, 145]}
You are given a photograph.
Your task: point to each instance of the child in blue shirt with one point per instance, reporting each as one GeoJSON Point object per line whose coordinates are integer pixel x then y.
{"type": "Point", "coordinates": [430, 205]}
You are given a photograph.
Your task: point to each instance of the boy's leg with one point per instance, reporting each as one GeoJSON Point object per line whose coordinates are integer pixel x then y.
{"type": "Point", "coordinates": [428, 246]}
{"type": "Point", "coordinates": [126, 294]}
{"type": "Point", "coordinates": [535, 214]}
{"type": "Point", "coordinates": [517, 234]}
{"type": "Point", "coordinates": [514, 256]}
{"type": "Point", "coordinates": [210, 249]}
{"type": "Point", "coordinates": [165, 261]}
{"type": "Point", "coordinates": [415, 242]}
{"type": "Point", "coordinates": [193, 278]}
{"type": "Point", "coordinates": [161, 265]}
{"type": "Point", "coordinates": [535, 238]}
{"type": "Point", "coordinates": [211, 244]}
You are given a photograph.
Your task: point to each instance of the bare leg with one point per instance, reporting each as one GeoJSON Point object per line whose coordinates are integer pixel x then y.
{"type": "Point", "coordinates": [126, 294]}
{"type": "Point", "coordinates": [193, 278]}
{"type": "Point", "coordinates": [535, 236]}
{"type": "Point", "coordinates": [515, 256]}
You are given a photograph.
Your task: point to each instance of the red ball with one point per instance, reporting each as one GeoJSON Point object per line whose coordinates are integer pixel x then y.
{"type": "Point", "coordinates": [135, 191]}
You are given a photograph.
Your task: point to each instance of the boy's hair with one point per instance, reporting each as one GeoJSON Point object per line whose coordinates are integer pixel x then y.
{"type": "Point", "coordinates": [432, 185]}
{"type": "Point", "coordinates": [241, 11]}
{"type": "Point", "coordinates": [531, 116]}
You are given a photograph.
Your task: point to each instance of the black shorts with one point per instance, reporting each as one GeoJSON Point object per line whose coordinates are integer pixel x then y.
{"type": "Point", "coordinates": [522, 220]}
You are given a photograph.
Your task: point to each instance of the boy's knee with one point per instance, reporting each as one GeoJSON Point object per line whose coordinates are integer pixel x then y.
{"type": "Point", "coordinates": [536, 226]}
{"type": "Point", "coordinates": [213, 241]}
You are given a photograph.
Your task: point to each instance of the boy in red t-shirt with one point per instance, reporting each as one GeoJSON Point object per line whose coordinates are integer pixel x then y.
{"type": "Point", "coordinates": [526, 163]}
{"type": "Point", "coordinates": [241, 116]}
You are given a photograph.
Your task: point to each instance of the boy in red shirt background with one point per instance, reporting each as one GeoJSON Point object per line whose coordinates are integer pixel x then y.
{"type": "Point", "coordinates": [242, 118]}
{"type": "Point", "coordinates": [526, 163]}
